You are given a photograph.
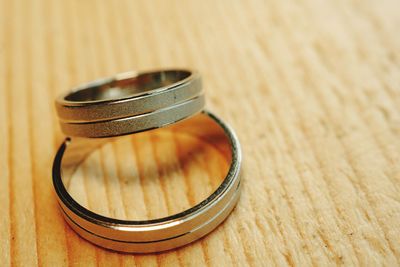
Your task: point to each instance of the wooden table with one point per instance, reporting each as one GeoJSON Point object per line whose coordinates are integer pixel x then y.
{"type": "Point", "coordinates": [310, 86]}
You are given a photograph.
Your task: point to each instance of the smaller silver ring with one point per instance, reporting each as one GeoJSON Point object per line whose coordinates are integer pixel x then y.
{"type": "Point", "coordinates": [128, 94]}
{"type": "Point", "coordinates": [137, 123]}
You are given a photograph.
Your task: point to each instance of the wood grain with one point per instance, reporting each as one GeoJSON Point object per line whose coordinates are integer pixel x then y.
{"type": "Point", "coordinates": [310, 86]}
{"type": "Point", "coordinates": [148, 175]}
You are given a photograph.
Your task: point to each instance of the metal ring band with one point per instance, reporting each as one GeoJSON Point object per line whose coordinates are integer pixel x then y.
{"type": "Point", "coordinates": [137, 123]}
{"type": "Point", "coordinates": [128, 94]}
{"type": "Point", "coordinates": [159, 234]}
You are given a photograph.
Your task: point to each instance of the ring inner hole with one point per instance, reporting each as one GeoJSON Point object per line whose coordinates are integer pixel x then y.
{"type": "Point", "coordinates": [149, 175]}
{"type": "Point", "coordinates": [128, 87]}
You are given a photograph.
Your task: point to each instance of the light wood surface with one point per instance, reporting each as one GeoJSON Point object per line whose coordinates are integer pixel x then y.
{"type": "Point", "coordinates": [310, 86]}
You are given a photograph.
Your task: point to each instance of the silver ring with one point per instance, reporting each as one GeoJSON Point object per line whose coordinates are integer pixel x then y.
{"type": "Point", "coordinates": [128, 94]}
{"type": "Point", "coordinates": [159, 234]}
{"type": "Point", "coordinates": [137, 123]}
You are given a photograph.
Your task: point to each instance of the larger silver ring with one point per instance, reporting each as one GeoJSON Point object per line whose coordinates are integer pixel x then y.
{"type": "Point", "coordinates": [159, 234]}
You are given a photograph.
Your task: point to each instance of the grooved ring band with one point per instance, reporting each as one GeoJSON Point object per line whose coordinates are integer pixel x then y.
{"type": "Point", "coordinates": [128, 94]}
{"type": "Point", "coordinates": [159, 234]}
{"type": "Point", "coordinates": [137, 123]}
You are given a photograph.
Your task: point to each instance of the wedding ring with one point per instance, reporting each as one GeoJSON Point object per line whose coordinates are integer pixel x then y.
{"type": "Point", "coordinates": [128, 94]}
{"type": "Point", "coordinates": [158, 234]}
{"type": "Point", "coordinates": [137, 123]}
